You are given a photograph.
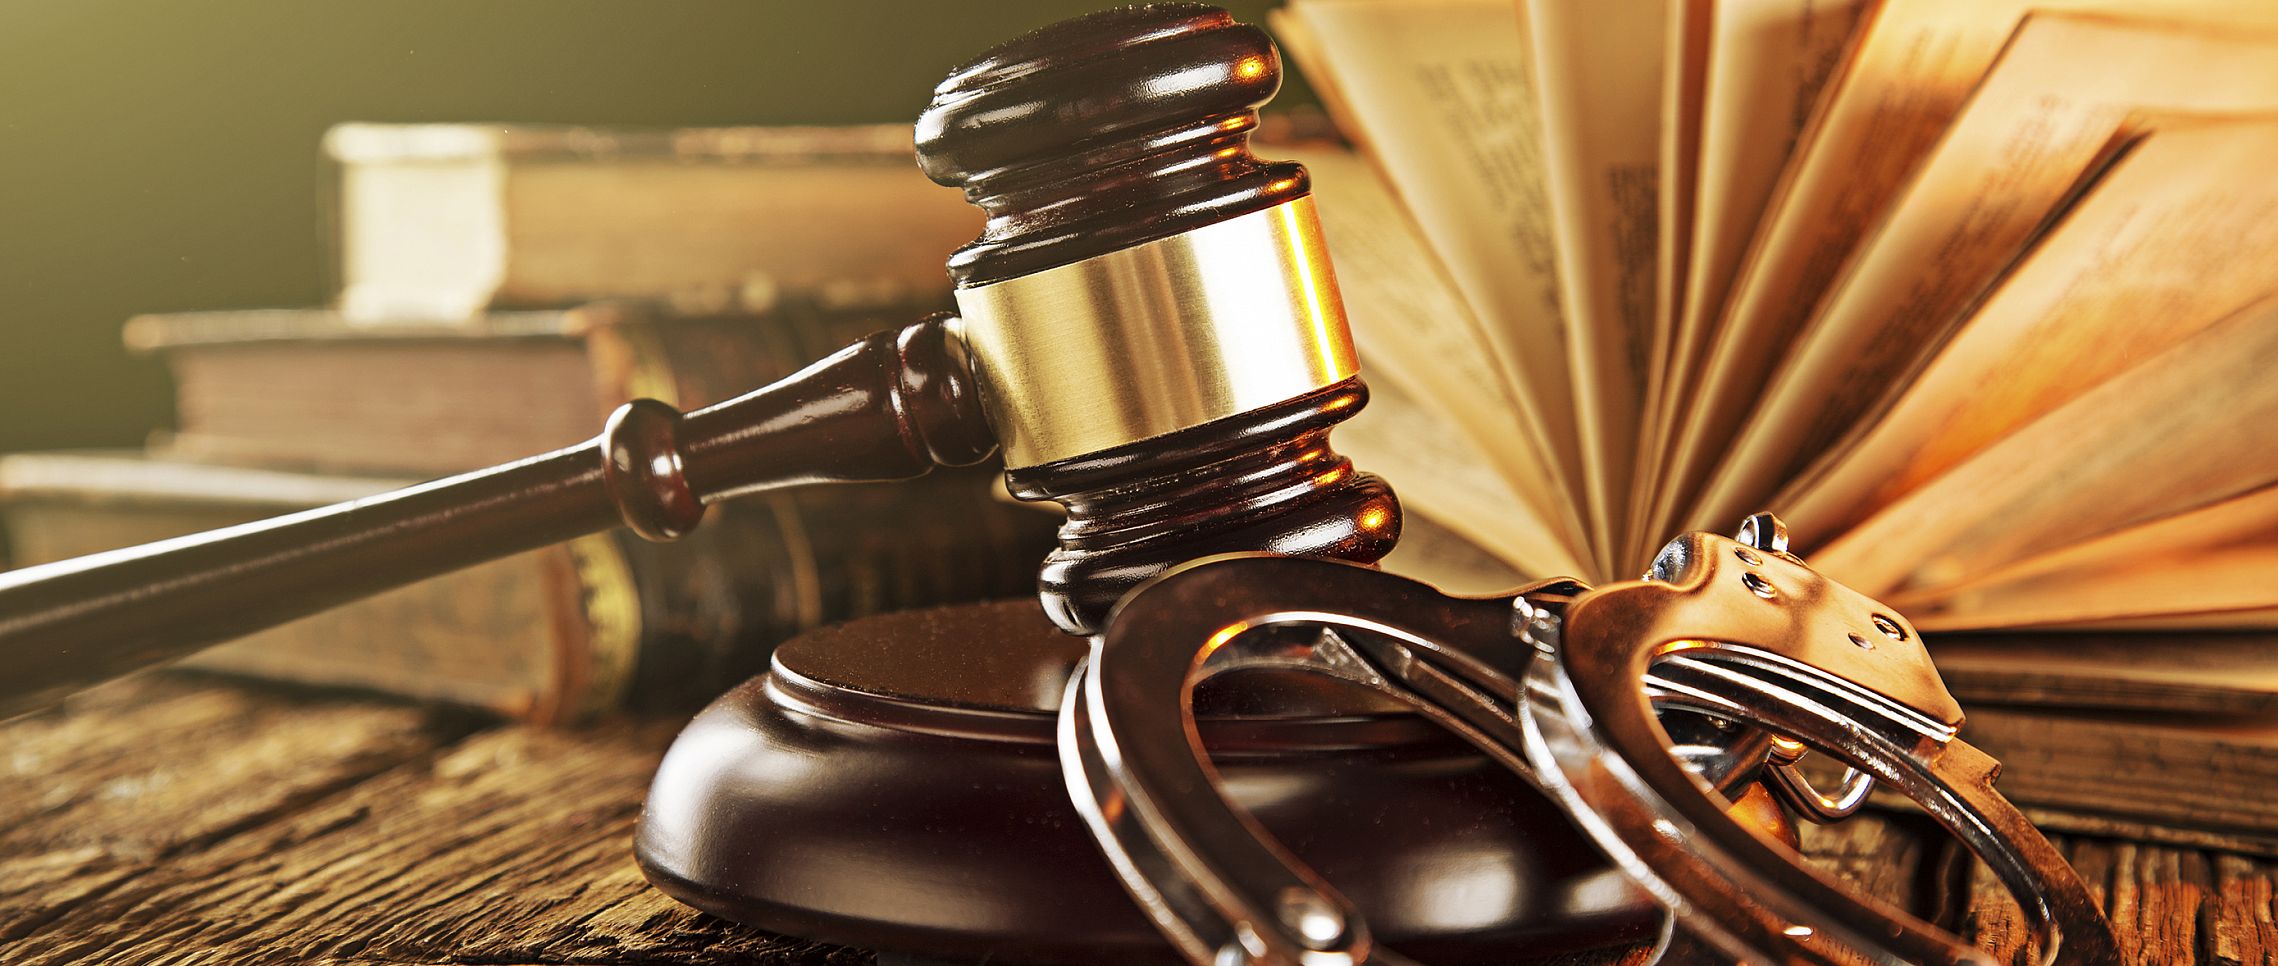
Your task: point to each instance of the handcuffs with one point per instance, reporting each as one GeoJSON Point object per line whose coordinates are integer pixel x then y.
{"type": "Point", "coordinates": [1636, 706]}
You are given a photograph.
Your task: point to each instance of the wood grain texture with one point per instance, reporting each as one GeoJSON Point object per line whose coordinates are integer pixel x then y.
{"type": "Point", "coordinates": [2246, 929]}
{"type": "Point", "coordinates": [1880, 855]}
{"type": "Point", "coordinates": [2169, 906]}
{"type": "Point", "coordinates": [173, 818]}
{"type": "Point", "coordinates": [134, 775]}
{"type": "Point", "coordinates": [158, 819]}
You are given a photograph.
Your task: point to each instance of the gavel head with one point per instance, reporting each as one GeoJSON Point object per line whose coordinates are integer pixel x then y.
{"type": "Point", "coordinates": [1150, 311]}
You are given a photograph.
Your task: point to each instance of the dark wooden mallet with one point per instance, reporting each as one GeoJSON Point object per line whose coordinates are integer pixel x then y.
{"type": "Point", "coordinates": [1150, 334]}
{"type": "Point", "coordinates": [1138, 368]}
{"type": "Point", "coordinates": [893, 783]}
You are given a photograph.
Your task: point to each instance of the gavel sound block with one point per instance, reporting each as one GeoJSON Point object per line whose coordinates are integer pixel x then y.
{"type": "Point", "coordinates": [1150, 334]}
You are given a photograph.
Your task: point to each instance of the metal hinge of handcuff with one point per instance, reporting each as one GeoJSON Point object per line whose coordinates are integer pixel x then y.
{"type": "Point", "coordinates": [1618, 702]}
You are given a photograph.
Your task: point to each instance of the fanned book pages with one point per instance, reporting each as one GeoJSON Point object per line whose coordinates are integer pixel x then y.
{"type": "Point", "coordinates": [1981, 296]}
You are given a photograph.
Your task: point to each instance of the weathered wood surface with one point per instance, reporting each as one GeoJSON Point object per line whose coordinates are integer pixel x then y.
{"type": "Point", "coordinates": [2170, 906]}
{"type": "Point", "coordinates": [172, 819]}
{"type": "Point", "coordinates": [167, 820]}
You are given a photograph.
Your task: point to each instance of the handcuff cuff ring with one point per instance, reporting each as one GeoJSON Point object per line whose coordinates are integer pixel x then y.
{"type": "Point", "coordinates": [1225, 893]}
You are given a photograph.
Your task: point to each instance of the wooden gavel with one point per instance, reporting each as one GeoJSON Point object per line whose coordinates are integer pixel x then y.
{"type": "Point", "coordinates": [1148, 330]}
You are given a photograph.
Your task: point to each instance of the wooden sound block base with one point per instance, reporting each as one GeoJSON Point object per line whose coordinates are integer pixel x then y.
{"type": "Point", "coordinates": [892, 783]}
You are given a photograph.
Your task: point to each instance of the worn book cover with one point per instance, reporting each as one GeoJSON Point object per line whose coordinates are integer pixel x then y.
{"type": "Point", "coordinates": [601, 622]}
{"type": "Point", "coordinates": [442, 221]}
{"type": "Point", "coordinates": [308, 388]}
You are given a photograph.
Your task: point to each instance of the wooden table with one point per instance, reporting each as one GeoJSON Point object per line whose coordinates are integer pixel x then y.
{"type": "Point", "coordinates": [180, 818]}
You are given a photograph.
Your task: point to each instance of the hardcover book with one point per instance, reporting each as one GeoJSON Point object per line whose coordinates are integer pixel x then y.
{"type": "Point", "coordinates": [441, 221]}
{"type": "Point", "coordinates": [725, 258]}
{"type": "Point", "coordinates": [308, 388]}
{"type": "Point", "coordinates": [599, 623]}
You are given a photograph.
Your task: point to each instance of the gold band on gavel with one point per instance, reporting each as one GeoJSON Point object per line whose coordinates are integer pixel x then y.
{"type": "Point", "coordinates": [1159, 337]}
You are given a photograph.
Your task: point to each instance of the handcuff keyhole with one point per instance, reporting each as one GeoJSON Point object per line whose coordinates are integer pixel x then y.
{"type": "Point", "coordinates": [1747, 556]}
{"type": "Point", "coordinates": [1758, 586]}
{"type": "Point", "coordinates": [1890, 628]}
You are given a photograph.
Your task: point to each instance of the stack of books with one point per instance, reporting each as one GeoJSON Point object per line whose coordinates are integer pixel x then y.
{"type": "Point", "coordinates": [501, 290]}
{"type": "Point", "coordinates": [1981, 296]}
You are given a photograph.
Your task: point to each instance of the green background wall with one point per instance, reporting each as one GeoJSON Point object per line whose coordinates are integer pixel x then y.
{"type": "Point", "coordinates": [162, 155]}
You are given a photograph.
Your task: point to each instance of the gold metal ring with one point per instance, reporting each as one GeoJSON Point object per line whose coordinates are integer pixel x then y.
{"type": "Point", "coordinates": [1158, 337]}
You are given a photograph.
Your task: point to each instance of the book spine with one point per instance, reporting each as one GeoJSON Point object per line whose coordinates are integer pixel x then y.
{"type": "Point", "coordinates": [598, 626]}
{"type": "Point", "coordinates": [608, 621]}
{"type": "Point", "coordinates": [611, 621]}
{"type": "Point", "coordinates": [764, 569]}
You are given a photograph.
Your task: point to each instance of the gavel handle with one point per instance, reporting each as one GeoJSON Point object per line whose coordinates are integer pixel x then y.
{"type": "Point", "coordinates": [889, 407]}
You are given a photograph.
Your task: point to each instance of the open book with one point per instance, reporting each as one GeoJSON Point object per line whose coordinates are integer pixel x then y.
{"type": "Point", "coordinates": [1980, 297]}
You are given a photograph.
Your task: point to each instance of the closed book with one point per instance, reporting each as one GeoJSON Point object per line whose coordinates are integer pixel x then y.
{"type": "Point", "coordinates": [2216, 773]}
{"type": "Point", "coordinates": [550, 635]}
{"type": "Point", "coordinates": [306, 388]}
{"type": "Point", "coordinates": [447, 220]}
